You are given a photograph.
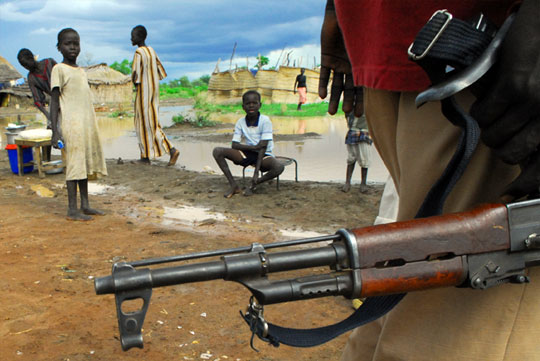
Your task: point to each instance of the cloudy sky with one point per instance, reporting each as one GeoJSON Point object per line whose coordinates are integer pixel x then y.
{"type": "Point", "coordinates": [188, 35]}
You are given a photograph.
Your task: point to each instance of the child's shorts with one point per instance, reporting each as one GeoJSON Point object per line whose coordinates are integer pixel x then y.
{"type": "Point", "coordinates": [360, 153]}
{"type": "Point", "coordinates": [250, 158]}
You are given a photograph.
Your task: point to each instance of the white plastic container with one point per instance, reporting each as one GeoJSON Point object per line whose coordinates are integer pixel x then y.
{"type": "Point", "coordinates": [10, 137]}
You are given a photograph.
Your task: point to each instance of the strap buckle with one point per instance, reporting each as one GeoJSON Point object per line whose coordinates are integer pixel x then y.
{"type": "Point", "coordinates": [257, 323]}
{"type": "Point", "coordinates": [449, 17]}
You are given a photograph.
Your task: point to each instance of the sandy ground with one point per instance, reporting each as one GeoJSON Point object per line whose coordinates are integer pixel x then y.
{"type": "Point", "coordinates": [49, 307]}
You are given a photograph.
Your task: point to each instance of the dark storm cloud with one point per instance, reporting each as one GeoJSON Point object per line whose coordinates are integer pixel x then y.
{"type": "Point", "coordinates": [182, 32]}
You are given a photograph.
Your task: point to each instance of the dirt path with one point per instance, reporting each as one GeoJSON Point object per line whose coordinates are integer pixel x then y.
{"type": "Point", "coordinates": [50, 310]}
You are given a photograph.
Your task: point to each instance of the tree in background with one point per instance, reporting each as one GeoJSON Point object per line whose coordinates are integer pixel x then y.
{"type": "Point", "coordinates": [205, 79]}
{"type": "Point", "coordinates": [124, 67]}
{"type": "Point", "coordinates": [183, 87]}
{"type": "Point", "coordinates": [184, 82]}
{"type": "Point", "coordinates": [202, 81]}
{"type": "Point", "coordinates": [262, 61]}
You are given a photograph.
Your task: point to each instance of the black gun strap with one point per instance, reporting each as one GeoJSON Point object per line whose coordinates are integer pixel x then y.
{"type": "Point", "coordinates": [458, 46]}
{"type": "Point", "coordinates": [467, 142]}
{"type": "Point", "coordinates": [371, 309]}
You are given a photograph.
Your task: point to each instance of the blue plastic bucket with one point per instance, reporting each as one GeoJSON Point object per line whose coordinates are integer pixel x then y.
{"type": "Point", "coordinates": [27, 157]}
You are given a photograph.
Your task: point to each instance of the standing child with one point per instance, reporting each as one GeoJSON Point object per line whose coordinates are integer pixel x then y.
{"type": "Point", "coordinates": [358, 144]}
{"type": "Point", "coordinates": [84, 156]}
{"type": "Point", "coordinates": [146, 73]}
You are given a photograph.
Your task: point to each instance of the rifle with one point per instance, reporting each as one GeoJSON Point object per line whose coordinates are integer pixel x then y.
{"type": "Point", "coordinates": [488, 246]}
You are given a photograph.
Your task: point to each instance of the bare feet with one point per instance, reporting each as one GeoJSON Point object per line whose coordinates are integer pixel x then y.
{"type": "Point", "coordinates": [174, 156]}
{"type": "Point", "coordinates": [232, 192]}
{"type": "Point", "coordinates": [75, 215]}
{"type": "Point", "coordinates": [92, 211]}
{"type": "Point", "coordinates": [346, 188]}
{"type": "Point", "coordinates": [364, 188]}
{"type": "Point", "coordinates": [249, 191]}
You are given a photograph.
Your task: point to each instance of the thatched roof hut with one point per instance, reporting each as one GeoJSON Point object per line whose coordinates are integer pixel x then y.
{"type": "Point", "coordinates": [16, 96]}
{"type": "Point", "coordinates": [10, 95]}
{"type": "Point", "coordinates": [7, 71]}
{"type": "Point", "coordinates": [109, 87]}
{"type": "Point", "coordinates": [275, 86]}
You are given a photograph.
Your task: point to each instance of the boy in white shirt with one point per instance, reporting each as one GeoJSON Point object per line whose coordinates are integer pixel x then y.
{"type": "Point", "coordinates": [256, 131]}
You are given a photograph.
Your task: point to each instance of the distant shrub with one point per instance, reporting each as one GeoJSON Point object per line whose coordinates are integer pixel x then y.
{"type": "Point", "coordinates": [124, 67]}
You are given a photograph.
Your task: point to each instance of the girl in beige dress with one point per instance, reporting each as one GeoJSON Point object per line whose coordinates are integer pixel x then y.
{"type": "Point", "coordinates": [84, 155]}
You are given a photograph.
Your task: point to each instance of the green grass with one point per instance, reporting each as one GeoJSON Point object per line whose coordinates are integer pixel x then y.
{"type": "Point", "coordinates": [289, 110]}
{"type": "Point", "coordinates": [168, 92]}
{"type": "Point", "coordinates": [119, 113]}
{"type": "Point", "coordinates": [200, 121]}
{"type": "Point", "coordinates": [285, 110]}
{"type": "Point", "coordinates": [203, 108]}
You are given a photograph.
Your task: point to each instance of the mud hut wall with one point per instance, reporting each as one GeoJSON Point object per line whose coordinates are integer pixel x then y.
{"type": "Point", "coordinates": [245, 80]}
{"type": "Point", "coordinates": [276, 86]}
{"type": "Point", "coordinates": [220, 81]}
{"type": "Point", "coordinates": [228, 81]}
{"type": "Point", "coordinates": [109, 86]}
{"type": "Point", "coordinates": [220, 87]}
{"type": "Point", "coordinates": [266, 79]}
{"type": "Point", "coordinates": [228, 87]}
{"type": "Point", "coordinates": [112, 94]}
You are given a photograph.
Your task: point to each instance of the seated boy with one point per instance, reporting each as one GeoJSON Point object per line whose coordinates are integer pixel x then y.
{"type": "Point", "coordinates": [256, 130]}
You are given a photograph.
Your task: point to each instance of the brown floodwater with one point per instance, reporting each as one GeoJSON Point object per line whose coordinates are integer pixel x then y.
{"type": "Point", "coordinates": [321, 158]}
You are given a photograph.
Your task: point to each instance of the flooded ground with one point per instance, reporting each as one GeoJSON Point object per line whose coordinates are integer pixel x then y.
{"type": "Point", "coordinates": [321, 158]}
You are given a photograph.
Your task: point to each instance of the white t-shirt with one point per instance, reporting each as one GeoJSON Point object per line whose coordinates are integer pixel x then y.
{"type": "Point", "coordinates": [252, 135]}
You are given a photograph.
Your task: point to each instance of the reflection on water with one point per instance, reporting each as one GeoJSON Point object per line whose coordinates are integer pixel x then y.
{"type": "Point", "coordinates": [320, 158]}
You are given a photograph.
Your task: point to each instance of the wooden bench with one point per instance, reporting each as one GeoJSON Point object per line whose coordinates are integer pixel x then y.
{"type": "Point", "coordinates": [39, 152]}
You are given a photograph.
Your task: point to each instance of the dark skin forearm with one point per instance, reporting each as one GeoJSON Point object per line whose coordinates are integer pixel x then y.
{"type": "Point", "coordinates": [55, 110]}
{"type": "Point", "coordinates": [254, 148]}
{"type": "Point", "coordinates": [42, 108]}
{"type": "Point", "coordinates": [260, 147]}
{"type": "Point", "coordinates": [258, 166]}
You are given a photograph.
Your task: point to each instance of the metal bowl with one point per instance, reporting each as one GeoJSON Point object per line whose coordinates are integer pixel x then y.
{"type": "Point", "coordinates": [16, 127]}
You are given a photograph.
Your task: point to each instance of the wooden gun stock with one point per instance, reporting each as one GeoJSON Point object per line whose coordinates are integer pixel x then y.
{"type": "Point", "coordinates": [413, 277]}
{"type": "Point", "coordinates": [427, 253]}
